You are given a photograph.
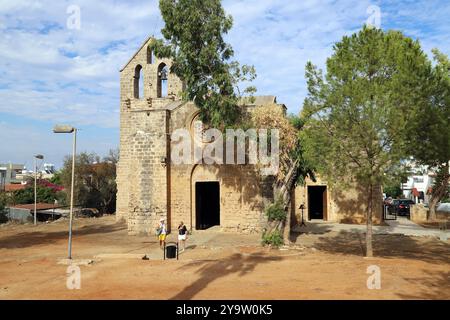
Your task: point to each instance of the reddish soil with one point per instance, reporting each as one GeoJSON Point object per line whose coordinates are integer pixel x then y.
{"type": "Point", "coordinates": [329, 266]}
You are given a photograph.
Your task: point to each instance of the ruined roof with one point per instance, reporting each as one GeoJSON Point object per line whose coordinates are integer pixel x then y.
{"type": "Point", "coordinates": [258, 100]}
{"type": "Point", "coordinates": [39, 206]}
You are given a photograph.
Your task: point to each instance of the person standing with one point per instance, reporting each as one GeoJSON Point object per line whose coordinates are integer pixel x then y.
{"type": "Point", "coordinates": [162, 232]}
{"type": "Point", "coordinates": [182, 235]}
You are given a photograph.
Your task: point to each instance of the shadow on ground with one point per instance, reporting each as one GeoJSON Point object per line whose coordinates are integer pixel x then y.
{"type": "Point", "coordinates": [386, 246]}
{"type": "Point", "coordinates": [310, 228]}
{"type": "Point", "coordinates": [435, 286]}
{"type": "Point", "coordinates": [34, 238]}
{"type": "Point", "coordinates": [212, 270]}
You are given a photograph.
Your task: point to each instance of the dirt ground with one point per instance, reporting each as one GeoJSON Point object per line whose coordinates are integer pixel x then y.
{"type": "Point", "coordinates": [216, 265]}
{"type": "Point", "coordinates": [435, 224]}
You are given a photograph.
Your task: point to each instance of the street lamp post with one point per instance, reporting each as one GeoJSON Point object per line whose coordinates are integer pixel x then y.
{"type": "Point", "coordinates": [38, 156]}
{"type": "Point", "coordinates": [70, 129]}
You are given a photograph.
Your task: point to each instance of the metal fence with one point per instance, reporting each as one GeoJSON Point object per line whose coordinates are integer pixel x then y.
{"type": "Point", "coordinates": [389, 212]}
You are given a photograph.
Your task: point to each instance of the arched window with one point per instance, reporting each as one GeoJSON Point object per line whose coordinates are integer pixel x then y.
{"type": "Point", "coordinates": [150, 57]}
{"type": "Point", "coordinates": [138, 82]}
{"type": "Point", "coordinates": [163, 75]}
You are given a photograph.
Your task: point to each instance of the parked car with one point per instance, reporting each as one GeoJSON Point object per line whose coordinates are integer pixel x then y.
{"type": "Point", "coordinates": [401, 207]}
{"type": "Point", "coordinates": [88, 213]}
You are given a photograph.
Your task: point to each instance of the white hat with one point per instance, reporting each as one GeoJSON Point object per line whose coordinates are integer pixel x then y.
{"type": "Point", "coordinates": [162, 219]}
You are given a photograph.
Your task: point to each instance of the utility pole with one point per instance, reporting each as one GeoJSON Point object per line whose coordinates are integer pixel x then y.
{"type": "Point", "coordinates": [38, 156]}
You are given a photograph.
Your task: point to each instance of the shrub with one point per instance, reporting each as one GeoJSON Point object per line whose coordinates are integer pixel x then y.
{"type": "Point", "coordinates": [3, 217]}
{"type": "Point", "coordinates": [25, 196]}
{"type": "Point", "coordinates": [62, 198]}
{"type": "Point", "coordinates": [3, 203]}
{"type": "Point", "coordinates": [276, 212]}
{"type": "Point", "coordinates": [274, 238]}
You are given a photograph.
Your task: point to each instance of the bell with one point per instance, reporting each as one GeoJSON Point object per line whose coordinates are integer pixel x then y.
{"type": "Point", "coordinates": [163, 74]}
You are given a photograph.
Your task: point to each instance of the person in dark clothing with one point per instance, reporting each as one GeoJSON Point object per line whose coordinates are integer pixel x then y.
{"type": "Point", "coordinates": [182, 235]}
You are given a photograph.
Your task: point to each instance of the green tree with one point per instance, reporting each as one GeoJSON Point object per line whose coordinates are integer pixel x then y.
{"type": "Point", "coordinates": [3, 203]}
{"type": "Point", "coordinates": [357, 112]}
{"type": "Point", "coordinates": [95, 180]}
{"type": "Point", "coordinates": [194, 31]}
{"type": "Point", "coordinates": [428, 134]}
{"type": "Point", "coordinates": [393, 181]}
{"type": "Point", "coordinates": [293, 167]}
{"type": "Point", "coordinates": [26, 196]}
{"type": "Point", "coordinates": [392, 190]}
{"type": "Point", "coordinates": [56, 179]}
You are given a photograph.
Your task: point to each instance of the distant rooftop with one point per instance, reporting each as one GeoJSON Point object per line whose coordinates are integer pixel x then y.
{"type": "Point", "coordinates": [12, 166]}
{"type": "Point", "coordinates": [39, 206]}
{"type": "Point", "coordinates": [10, 187]}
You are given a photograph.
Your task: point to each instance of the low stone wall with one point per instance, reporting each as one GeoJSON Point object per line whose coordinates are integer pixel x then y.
{"type": "Point", "coordinates": [419, 213]}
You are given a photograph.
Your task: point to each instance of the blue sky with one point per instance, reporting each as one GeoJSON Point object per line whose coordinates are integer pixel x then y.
{"type": "Point", "coordinates": [51, 73]}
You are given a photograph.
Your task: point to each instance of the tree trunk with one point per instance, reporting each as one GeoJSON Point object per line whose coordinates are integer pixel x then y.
{"type": "Point", "coordinates": [284, 190]}
{"type": "Point", "coordinates": [287, 225]}
{"type": "Point", "coordinates": [440, 189]}
{"type": "Point", "coordinates": [432, 205]}
{"type": "Point", "coordinates": [369, 251]}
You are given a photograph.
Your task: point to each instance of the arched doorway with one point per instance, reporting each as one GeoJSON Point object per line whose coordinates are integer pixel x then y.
{"type": "Point", "coordinates": [207, 204]}
{"type": "Point", "coordinates": [206, 197]}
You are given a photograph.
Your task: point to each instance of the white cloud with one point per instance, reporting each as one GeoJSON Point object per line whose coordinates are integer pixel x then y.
{"type": "Point", "coordinates": [279, 38]}
{"type": "Point", "coordinates": [51, 73]}
{"type": "Point", "coordinates": [47, 69]}
{"type": "Point", "coordinates": [24, 141]}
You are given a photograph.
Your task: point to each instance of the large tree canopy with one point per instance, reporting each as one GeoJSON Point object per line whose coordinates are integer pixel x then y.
{"type": "Point", "coordinates": [358, 112]}
{"type": "Point", "coordinates": [194, 31]}
{"type": "Point", "coordinates": [95, 180]}
{"type": "Point", "coordinates": [428, 135]}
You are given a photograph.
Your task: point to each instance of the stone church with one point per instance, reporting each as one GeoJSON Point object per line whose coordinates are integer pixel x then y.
{"type": "Point", "coordinates": [232, 197]}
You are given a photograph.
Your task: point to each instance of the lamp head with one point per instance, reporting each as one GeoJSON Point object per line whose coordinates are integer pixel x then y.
{"type": "Point", "coordinates": [63, 129]}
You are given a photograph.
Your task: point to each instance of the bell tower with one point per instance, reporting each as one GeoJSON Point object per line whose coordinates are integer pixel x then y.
{"type": "Point", "coordinates": [147, 91]}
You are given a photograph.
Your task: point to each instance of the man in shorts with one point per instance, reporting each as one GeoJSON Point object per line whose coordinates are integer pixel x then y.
{"type": "Point", "coordinates": [162, 232]}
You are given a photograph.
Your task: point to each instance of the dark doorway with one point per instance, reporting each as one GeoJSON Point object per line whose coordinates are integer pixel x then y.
{"type": "Point", "coordinates": [207, 202]}
{"type": "Point", "coordinates": [317, 202]}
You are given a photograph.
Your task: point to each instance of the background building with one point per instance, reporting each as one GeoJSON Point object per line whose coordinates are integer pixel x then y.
{"type": "Point", "coordinates": [419, 184]}
{"type": "Point", "coordinates": [10, 173]}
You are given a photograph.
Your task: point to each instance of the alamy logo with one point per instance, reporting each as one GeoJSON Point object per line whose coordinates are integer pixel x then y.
{"type": "Point", "coordinates": [241, 147]}
{"type": "Point", "coordinates": [73, 277]}
{"type": "Point", "coordinates": [374, 19]}
{"type": "Point", "coordinates": [374, 280]}
{"type": "Point", "coordinates": [74, 20]}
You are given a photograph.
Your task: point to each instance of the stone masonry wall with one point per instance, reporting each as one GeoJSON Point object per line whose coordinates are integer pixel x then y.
{"type": "Point", "coordinates": [241, 192]}
{"type": "Point", "coordinates": [343, 205]}
{"type": "Point", "coordinates": [142, 178]}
